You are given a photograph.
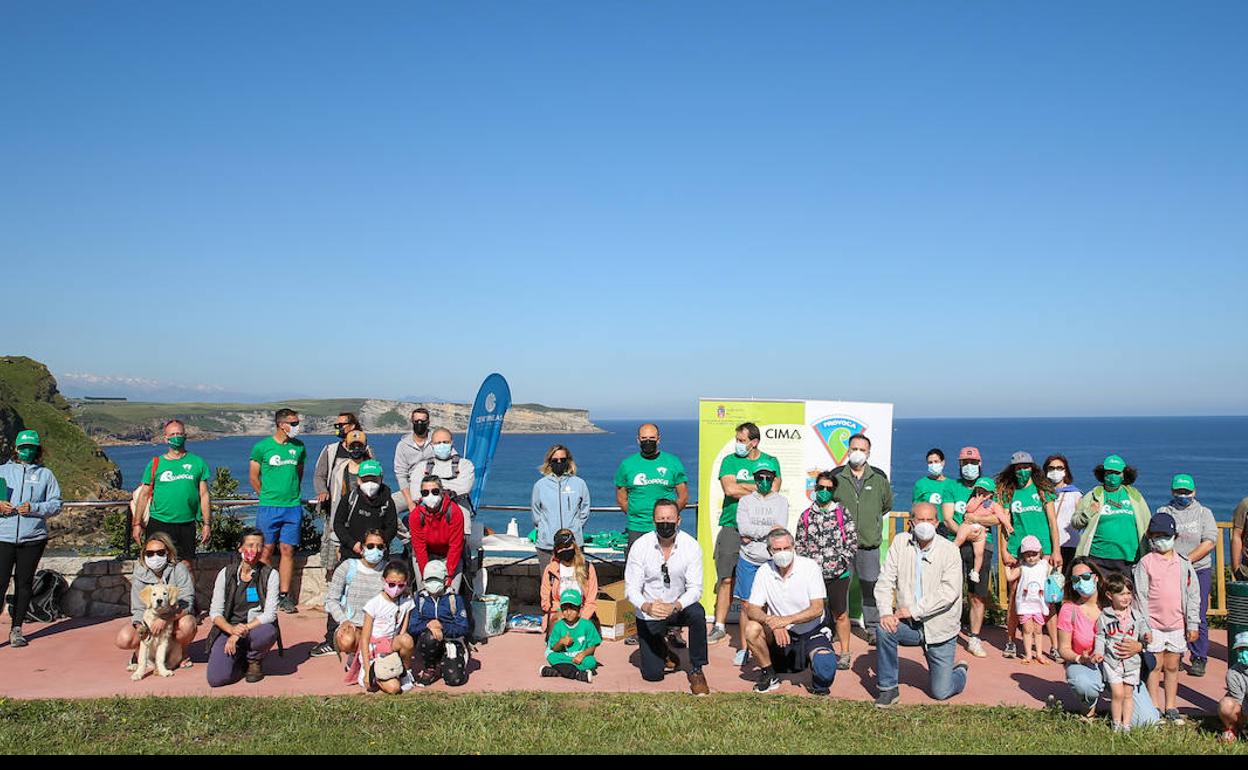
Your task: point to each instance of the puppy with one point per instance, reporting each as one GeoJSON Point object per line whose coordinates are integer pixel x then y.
{"type": "Point", "coordinates": [161, 601]}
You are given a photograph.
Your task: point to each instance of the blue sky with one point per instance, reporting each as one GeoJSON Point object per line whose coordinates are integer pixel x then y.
{"type": "Point", "coordinates": [966, 208]}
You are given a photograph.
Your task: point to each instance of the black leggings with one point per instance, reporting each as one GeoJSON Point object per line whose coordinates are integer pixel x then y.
{"type": "Point", "coordinates": [566, 670]}
{"type": "Point", "coordinates": [19, 561]}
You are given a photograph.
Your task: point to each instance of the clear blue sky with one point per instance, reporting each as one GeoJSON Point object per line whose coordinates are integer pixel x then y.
{"type": "Point", "coordinates": [967, 208]}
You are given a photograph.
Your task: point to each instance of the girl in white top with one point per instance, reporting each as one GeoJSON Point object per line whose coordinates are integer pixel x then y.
{"type": "Point", "coordinates": [385, 626]}
{"type": "Point", "coordinates": [1031, 574]}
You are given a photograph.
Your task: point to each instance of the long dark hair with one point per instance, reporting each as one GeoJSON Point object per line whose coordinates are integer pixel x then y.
{"type": "Point", "coordinates": [1070, 475]}
{"type": "Point", "coordinates": [1007, 485]}
{"type": "Point", "coordinates": [1129, 475]}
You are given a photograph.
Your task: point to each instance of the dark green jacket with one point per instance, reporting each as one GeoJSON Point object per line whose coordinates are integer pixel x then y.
{"type": "Point", "coordinates": [868, 509]}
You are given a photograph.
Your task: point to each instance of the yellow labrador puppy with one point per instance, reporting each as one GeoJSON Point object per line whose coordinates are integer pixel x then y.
{"type": "Point", "coordinates": [161, 601]}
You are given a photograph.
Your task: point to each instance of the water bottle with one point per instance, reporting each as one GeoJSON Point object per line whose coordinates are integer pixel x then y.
{"type": "Point", "coordinates": [513, 530]}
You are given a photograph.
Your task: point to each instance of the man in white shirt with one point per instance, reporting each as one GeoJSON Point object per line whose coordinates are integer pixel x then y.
{"type": "Point", "coordinates": [784, 626]}
{"type": "Point", "coordinates": [663, 581]}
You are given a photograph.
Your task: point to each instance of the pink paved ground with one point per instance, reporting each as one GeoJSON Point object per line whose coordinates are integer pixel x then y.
{"type": "Point", "coordinates": [76, 659]}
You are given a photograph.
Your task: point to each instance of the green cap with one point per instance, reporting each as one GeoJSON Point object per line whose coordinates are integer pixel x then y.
{"type": "Point", "coordinates": [1114, 463]}
{"type": "Point", "coordinates": [570, 596]}
{"type": "Point", "coordinates": [986, 484]}
{"type": "Point", "coordinates": [371, 468]}
{"type": "Point", "coordinates": [27, 437]}
{"type": "Point", "coordinates": [766, 464]}
{"type": "Point", "coordinates": [1182, 481]}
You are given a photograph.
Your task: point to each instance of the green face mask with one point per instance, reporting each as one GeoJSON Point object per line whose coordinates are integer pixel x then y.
{"type": "Point", "coordinates": [764, 485]}
{"type": "Point", "coordinates": [1113, 480]}
{"type": "Point", "coordinates": [27, 454]}
{"type": "Point", "coordinates": [1023, 476]}
{"type": "Point", "coordinates": [177, 442]}
{"type": "Point", "coordinates": [823, 496]}
{"type": "Point", "coordinates": [1241, 656]}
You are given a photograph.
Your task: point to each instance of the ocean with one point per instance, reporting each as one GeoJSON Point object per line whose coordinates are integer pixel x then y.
{"type": "Point", "coordinates": [1213, 449]}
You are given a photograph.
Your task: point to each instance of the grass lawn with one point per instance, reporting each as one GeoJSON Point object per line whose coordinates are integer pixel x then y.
{"type": "Point", "coordinates": [586, 723]}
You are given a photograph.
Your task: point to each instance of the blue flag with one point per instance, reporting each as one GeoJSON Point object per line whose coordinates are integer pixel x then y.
{"type": "Point", "coordinates": [484, 427]}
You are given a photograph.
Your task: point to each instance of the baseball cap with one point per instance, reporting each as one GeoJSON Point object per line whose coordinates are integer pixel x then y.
{"type": "Point", "coordinates": [1114, 463]}
{"type": "Point", "coordinates": [970, 453]}
{"type": "Point", "coordinates": [570, 596]}
{"type": "Point", "coordinates": [1163, 523]}
{"type": "Point", "coordinates": [355, 437]}
{"type": "Point", "coordinates": [27, 438]}
{"type": "Point", "coordinates": [370, 467]}
{"type": "Point", "coordinates": [1241, 640]}
{"type": "Point", "coordinates": [1183, 481]}
{"type": "Point", "coordinates": [1030, 544]}
{"type": "Point", "coordinates": [766, 465]}
{"type": "Point", "coordinates": [986, 483]}
{"type": "Point", "coordinates": [1021, 458]}
{"type": "Point", "coordinates": [435, 569]}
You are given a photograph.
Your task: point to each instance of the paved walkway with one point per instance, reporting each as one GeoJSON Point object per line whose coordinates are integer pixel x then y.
{"type": "Point", "coordinates": [76, 659]}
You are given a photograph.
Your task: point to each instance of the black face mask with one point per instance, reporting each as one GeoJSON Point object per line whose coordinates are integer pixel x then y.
{"type": "Point", "coordinates": [566, 556]}
{"type": "Point", "coordinates": [355, 454]}
{"type": "Point", "coordinates": [666, 529]}
{"type": "Point", "coordinates": [420, 427]}
{"type": "Point", "coordinates": [558, 467]}
{"type": "Point", "coordinates": [649, 448]}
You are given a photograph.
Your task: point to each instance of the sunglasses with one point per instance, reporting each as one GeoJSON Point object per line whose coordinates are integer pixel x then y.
{"type": "Point", "coordinates": [1085, 577]}
{"type": "Point", "coordinates": [826, 488]}
{"type": "Point", "coordinates": [161, 552]}
{"type": "Point", "coordinates": [293, 422]}
{"type": "Point", "coordinates": [395, 585]}
{"type": "Point", "coordinates": [341, 425]}
{"type": "Point", "coordinates": [667, 578]}
{"type": "Point", "coordinates": [1056, 468]}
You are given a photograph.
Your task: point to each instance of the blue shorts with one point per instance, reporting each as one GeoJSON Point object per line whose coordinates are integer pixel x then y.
{"type": "Point", "coordinates": [745, 579]}
{"type": "Point", "coordinates": [280, 524]}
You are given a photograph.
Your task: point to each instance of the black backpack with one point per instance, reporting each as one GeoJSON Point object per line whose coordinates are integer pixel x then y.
{"type": "Point", "coordinates": [455, 670]}
{"type": "Point", "coordinates": [45, 597]}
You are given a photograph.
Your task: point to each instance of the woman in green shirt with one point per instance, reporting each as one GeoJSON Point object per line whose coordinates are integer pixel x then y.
{"type": "Point", "coordinates": [1028, 495]}
{"type": "Point", "coordinates": [1114, 518]}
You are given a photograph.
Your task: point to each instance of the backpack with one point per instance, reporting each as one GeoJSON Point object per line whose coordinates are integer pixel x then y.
{"type": "Point", "coordinates": [455, 663]}
{"type": "Point", "coordinates": [352, 566]}
{"type": "Point", "coordinates": [45, 597]}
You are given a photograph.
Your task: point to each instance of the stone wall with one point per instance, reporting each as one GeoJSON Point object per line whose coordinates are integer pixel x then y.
{"type": "Point", "coordinates": [100, 586]}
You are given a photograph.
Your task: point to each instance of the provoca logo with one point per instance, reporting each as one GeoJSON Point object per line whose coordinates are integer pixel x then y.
{"type": "Point", "coordinates": [169, 476]}
{"type": "Point", "coordinates": [642, 480]}
{"type": "Point", "coordinates": [276, 461]}
{"type": "Point", "coordinates": [834, 433]}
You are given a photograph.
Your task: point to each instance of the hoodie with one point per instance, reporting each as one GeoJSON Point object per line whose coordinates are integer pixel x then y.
{"type": "Point", "coordinates": [448, 609]}
{"type": "Point", "coordinates": [409, 461]}
{"type": "Point", "coordinates": [32, 484]}
{"type": "Point", "coordinates": [357, 514]}
{"type": "Point", "coordinates": [757, 516]}
{"type": "Point", "coordinates": [559, 502]}
{"type": "Point", "coordinates": [177, 576]}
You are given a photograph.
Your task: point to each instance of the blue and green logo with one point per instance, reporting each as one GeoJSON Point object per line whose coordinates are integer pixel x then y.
{"type": "Point", "coordinates": [835, 432]}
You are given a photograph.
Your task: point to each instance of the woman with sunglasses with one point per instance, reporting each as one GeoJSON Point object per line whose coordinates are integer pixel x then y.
{"type": "Point", "coordinates": [826, 534]}
{"type": "Point", "coordinates": [160, 565]}
{"type": "Point", "coordinates": [1057, 470]}
{"type": "Point", "coordinates": [1076, 636]}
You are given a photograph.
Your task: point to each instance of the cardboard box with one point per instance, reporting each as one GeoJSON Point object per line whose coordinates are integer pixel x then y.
{"type": "Point", "coordinates": [616, 615]}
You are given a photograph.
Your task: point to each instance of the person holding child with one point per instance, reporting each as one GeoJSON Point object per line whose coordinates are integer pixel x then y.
{"type": "Point", "coordinates": [573, 640]}
{"type": "Point", "coordinates": [1120, 620]}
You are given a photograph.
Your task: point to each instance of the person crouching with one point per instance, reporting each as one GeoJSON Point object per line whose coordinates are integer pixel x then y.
{"type": "Point", "coordinates": [439, 624]}
{"type": "Point", "coordinates": [573, 640]}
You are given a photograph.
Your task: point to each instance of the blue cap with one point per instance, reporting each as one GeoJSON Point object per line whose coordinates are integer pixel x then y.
{"type": "Point", "coordinates": [1163, 523]}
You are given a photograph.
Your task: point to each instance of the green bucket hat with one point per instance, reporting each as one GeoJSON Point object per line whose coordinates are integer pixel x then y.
{"type": "Point", "coordinates": [371, 468]}
{"type": "Point", "coordinates": [986, 484]}
{"type": "Point", "coordinates": [570, 596]}
{"type": "Point", "coordinates": [1114, 463]}
{"type": "Point", "coordinates": [27, 438]}
{"type": "Point", "coordinates": [1183, 481]}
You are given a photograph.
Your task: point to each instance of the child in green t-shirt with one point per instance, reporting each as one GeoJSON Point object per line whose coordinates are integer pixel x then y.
{"type": "Point", "coordinates": [573, 639]}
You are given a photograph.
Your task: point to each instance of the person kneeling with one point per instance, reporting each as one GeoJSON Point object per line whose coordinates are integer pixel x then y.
{"type": "Point", "coordinates": [439, 624]}
{"type": "Point", "coordinates": [573, 639]}
{"type": "Point", "coordinates": [243, 615]}
{"type": "Point", "coordinates": [784, 627]}
{"type": "Point", "coordinates": [388, 654]}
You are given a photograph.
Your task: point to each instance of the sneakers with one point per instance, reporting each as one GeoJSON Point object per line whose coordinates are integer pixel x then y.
{"type": "Point", "coordinates": [430, 675]}
{"type": "Point", "coordinates": [741, 657]}
{"type": "Point", "coordinates": [286, 604]}
{"type": "Point", "coordinates": [323, 649]}
{"type": "Point", "coordinates": [1009, 651]}
{"type": "Point", "coordinates": [716, 636]}
{"type": "Point", "coordinates": [887, 698]}
{"type": "Point", "coordinates": [870, 636]}
{"type": "Point", "coordinates": [767, 681]}
{"type": "Point", "coordinates": [631, 640]}
{"type": "Point", "coordinates": [1054, 655]}
{"type": "Point", "coordinates": [842, 661]}
{"type": "Point", "coordinates": [972, 576]}
{"type": "Point", "coordinates": [1121, 728]}
{"type": "Point", "coordinates": [16, 639]}
{"type": "Point", "coordinates": [1228, 736]}
{"type": "Point", "coordinates": [976, 647]}
{"type": "Point", "coordinates": [544, 671]}
{"type": "Point", "coordinates": [1196, 667]}
{"type": "Point", "coordinates": [1174, 717]}
{"type": "Point", "coordinates": [697, 683]}
{"type": "Point", "coordinates": [255, 672]}
{"type": "Point", "coordinates": [585, 676]}
{"type": "Point", "coordinates": [674, 639]}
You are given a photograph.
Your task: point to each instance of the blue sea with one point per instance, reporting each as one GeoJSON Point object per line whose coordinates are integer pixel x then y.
{"type": "Point", "coordinates": [1213, 449]}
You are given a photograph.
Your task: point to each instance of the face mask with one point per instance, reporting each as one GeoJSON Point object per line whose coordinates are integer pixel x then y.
{"type": "Point", "coordinates": [442, 451]}
{"type": "Point", "coordinates": [742, 449]}
{"type": "Point", "coordinates": [857, 458]}
{"type": "Point", "coordinates": [764, 484]}
{"type": "Point", "coordinates": [177, 442]}
{"type": "Point", "coordinates": [156, 563]}
{"type": "Point", "coordinates": [434, 587]}
{"type": "Point", "coordinates": [1113, 480]}
{"type": "Point", "coordinates": [783, 559]}
{"type": "Point", "coordinates": [1023, 476]}
{"type": "Point", "coordinates": [823, 495]}
{"type": "Point", "coordinates": [559, 467]}
{"type": "Point", "coordinates": [1085, 587]}
{"type": "Point", "coordinates": [566, 556]}
{"type": "Point", "coordinates": [27, 454]}
{"type": "Point", "coordinates": [1163, 544]}
{"type": "Point", "coordinates": [355, 454]}
{"type": "Point", "coordinates": [420, 427]}
{"type": "Point", "coordinates": [432, 500]}
{"type": "Point", "coordinates": [1182, 501]}
{"type": "Point", "coordinates": [292, 430]}
{"type": "Point", "coordinates": [394, 591]}
{"type": "Point", "coordinates": [1241, 657]}
{"type": "Point", "coordinates": [342, 433]}
{"type": "Point", "coordinates": [370, 488]}
{"type": "Point", "coordinates": [970, 472]}
{"type": "Point", "coordinates": [924, 531]}
{"type": "Point", "coordinates": [373, 555]}
{"type": "Point", "coordinates": [250, 555]}
{"type": "Point", "coordinates": [666, 529]}
{"type": "Point", "coordinates": [935, 469]}
{"type": "Point", "coordinates": [649, 447]}
{"type": "Point", "coordinates": [1057, 477]}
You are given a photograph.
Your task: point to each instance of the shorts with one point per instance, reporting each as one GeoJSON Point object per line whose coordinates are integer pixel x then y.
{"type": "Point", "coordinates": [979, 589]}
{"type": "Point", "coordinates": [838, 597]}
{"type": "Point", "coordinates": [1036, 618]}
{"type": "Point", "coordinates": [1168, 641]}
{"type": "Point", "coordinates": [727, 551]}
{"type": "Point", "coordinates": [745, 579]}
{"type": "Point", "coordinates": [1125, 671]}
{"type": "Point", "coordinates": [184, 536]}
{"type": "Point", "coordinates": [280, 524]}
{"type": "Point", "coordinates": [794, 657]}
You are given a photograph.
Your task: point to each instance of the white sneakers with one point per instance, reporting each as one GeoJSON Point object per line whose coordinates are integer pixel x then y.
{"type": "Point", "coordinates": [975, 647]}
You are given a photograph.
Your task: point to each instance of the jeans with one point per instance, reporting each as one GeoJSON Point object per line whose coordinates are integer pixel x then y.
{"type": "Point", "coordinates": [20, 562]}
{"type": "Point", "coordinates": [224, 668]}
{"type": "Point", "coordinates": [1199, 649]}
{"type": "Point", "coordinates": [867, 568]}
{"type": "Point", "coordinates": [1089, 684]}
{"type": "Point", "coordinates": [652, 641]}
{"type": "Point", "coordinates": [945, 681]}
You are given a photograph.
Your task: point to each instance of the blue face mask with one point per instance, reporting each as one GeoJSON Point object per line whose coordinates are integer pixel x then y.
{"type": "Point", "coordinates": [1182, 501]}
{"type": "Point", "coordinates": [1085, 587]}
{"type": "Point", "coordinates": [1241, 656]}
{"type": "Point", "coordinates": [373, 555]}
{"type": "Point", "coordinates": [442, 451]}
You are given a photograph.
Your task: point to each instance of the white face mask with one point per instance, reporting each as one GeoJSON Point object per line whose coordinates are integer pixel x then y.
{"type": "Point", "coordinates": [432, 500]}
{"type": "Point", "coordinates": [292, 430]}
{"type": "Point", "coordinates": [924, 531]}
{"type": "Point", "coordinates": [935, 469]}
{"type": "Point", "coordinates": [783, 558]}
{"type": "Point", "coordinates": [1057, 477]}
{"type": "Point", "coordinates": [742, 449]}
{"type": "Point", "coordinates": [434, 587]}
{"type": "Point", "coordinates": [156, 563]}
{"type": "Point", "coordinates": [970, 472]}
{"type": "Point", "coordinates": [370, 488]}
{"type": "Point", "coordinates": [857, 458]}
{"type": "Point", "coordinates": [1163, 544]}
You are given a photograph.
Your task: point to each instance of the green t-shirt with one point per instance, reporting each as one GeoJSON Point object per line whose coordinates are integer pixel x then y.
{"type": "Point", "coordinates": [1027, 513]}
{"type": "Point", "coordinates": [929, 490]}
{"type": "Point", "coordinates": [647, 482]}
{"type": "Point", "coordinates": [742, 469]}
{"type": "Point", "coordinates": [584, 636]}
{"type": "Point", "coordinates": [1116, 536]}
{"type": "Point", "coordinates": [279, 471]}
{"type": "Point", "coordinates": [959, 494]}
{"type": "Point", "coordinates": [175, 499]}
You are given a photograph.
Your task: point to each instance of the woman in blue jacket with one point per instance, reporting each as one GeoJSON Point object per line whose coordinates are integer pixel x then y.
{"type": "Point", "coordinates": [560, 501]}
{"type": "Point", "coordinates": [29, 495]}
